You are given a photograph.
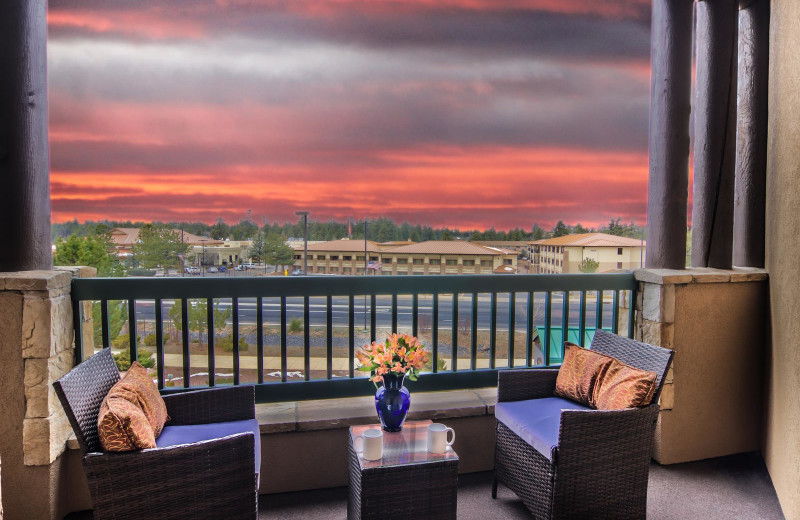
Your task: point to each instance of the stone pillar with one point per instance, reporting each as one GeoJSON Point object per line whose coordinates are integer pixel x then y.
{"type": "Point", "coordinates": [36, 346]}
{"type": "Point", "coordinates": [714, 134]}
{"type": "Point", "coordinates": [715, 321]}
{"type": "Point", "coordinates": [669, 133]}
{"type": "Point", "coordinates": [751, 135]}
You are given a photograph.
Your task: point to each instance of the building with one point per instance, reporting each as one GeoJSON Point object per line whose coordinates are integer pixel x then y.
{"type": "Point", "coordinates": [431, 257]}
{"type": "Point", "coordinates": [338, 256]}
{"type": "Point", "coordinates": [125, 238]}
{"type": "Point", "coordinates": [229, 252]}
{"type": "Point", "coordinates": [564, 254]}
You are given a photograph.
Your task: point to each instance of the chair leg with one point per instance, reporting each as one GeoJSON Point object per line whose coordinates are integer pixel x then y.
{"type": "Point", "coordinates": [494, 488]}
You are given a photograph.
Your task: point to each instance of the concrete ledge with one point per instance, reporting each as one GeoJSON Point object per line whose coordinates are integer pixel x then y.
{"type": "Point", "coordinates": [700, 275]}
{"type": "Point", "coordinates": [330, 414]}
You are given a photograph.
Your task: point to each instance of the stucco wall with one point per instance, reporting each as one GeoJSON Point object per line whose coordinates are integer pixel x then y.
{"type": "Point", "coordinates": [782, 429]}
{"type": "Point", "coordinates": [719, 342]}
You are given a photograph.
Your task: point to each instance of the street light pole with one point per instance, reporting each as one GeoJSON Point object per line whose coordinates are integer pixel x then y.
{"type": "Point", "coordinates": [366, 265]}
{"type": "Point", "coordinates": [304, 214]}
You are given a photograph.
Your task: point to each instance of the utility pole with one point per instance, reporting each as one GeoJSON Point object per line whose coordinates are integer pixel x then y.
{"type": "Point", "coordinates": [304, 214]}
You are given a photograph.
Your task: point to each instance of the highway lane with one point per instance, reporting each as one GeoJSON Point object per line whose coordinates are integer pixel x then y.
{"type": "Point", "coordinates": [145, 311]}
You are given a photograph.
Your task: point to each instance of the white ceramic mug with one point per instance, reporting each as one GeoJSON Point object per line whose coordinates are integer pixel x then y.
{"type": "Point", "coordinates": [437, 438]}
{"type": "Point", "coordinates": [371, 444]}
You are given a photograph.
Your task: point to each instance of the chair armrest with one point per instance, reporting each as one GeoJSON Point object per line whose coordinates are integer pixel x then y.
{"type": "Point", "coordinates": [607, 434]}
{"type": "Point", "coordinates": [522, 384]}
{"type": "Point", "coordinates": [206, 480]}
{"type": "Point", "coordinates": [233, 403]}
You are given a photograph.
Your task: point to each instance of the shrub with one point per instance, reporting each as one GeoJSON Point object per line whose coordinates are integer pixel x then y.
{"type": "Point", "coordinates": [296, 325]}
{"type": "Point", "coordinates": [150, 340]}
{"type": "Point", "coordinates": [226, 344]}
{"type": "Point", "coordinates": [141, 272]}
{"type": "Point", "coordinates": [144, 356]}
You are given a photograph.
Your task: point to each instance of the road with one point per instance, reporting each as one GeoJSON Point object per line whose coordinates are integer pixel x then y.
{"type": "Point", "coordinates": [145, 311]}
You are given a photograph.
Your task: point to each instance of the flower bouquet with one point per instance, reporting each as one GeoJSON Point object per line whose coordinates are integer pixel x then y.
{"type": "Point", "coordinates": [389, 363]}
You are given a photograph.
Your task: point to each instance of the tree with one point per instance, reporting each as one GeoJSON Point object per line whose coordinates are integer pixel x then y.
{"type": "Point", "coordinates": [220, 230]}
{"type": "Point", "coordinates": [276, 252]}
{"type": "Point", "coordinates": [245, 229]}
{"type": "Point", "coordinates": [561, 229]}
{"type": "Point", "coordinates": [446, 235]}
{"type": "Point", "coordinates": [117, 316]}
{"type": "Point", "coordinates": [257, 247]}
{"type": "Point", "coordinates": [159, 246]}
{"type": "Point", "coordinates": [89, 250]}
{"type": "Point", "coordinates": [579, 229]}
{"type": "Point", "coordinates": [198, 317]}
{"type": "Point", "coordinates": [589, 265]}
{"type": "Point", "coordinates": [537, 233]}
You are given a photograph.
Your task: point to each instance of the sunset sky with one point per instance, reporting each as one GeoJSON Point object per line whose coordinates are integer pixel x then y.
{"type": "Point", "coordinates": [464, 113]}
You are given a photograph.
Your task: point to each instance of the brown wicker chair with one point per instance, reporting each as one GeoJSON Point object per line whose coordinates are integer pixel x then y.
{"type": "Point", "coordinates": [209, 479]}
{"type": "Point", "coordinates": [598, 467]}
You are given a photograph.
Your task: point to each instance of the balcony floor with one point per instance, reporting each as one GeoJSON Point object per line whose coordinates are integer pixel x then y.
{"type": "Point", "coordinates": [735, 487]}
{"type": "Point", "coordinates": [725, 488]}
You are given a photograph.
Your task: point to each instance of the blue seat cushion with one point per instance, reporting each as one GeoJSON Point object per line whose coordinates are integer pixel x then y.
{"type": "Point", "coordinates": [190, 433]}
{"type": "Point", "coordinates": [536, 421]}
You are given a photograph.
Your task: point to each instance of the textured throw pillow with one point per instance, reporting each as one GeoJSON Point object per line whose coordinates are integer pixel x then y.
{"type": "Point", "coordinates": [132, 414]}
{"type": "Point", "coordinates": [122, 426]}
{"type": "Point", "coordinates": [579, 373]}
{"type": "Point", "coordinates": [623, 386]}
{"type": "Point", "coordinates": [137, 387]}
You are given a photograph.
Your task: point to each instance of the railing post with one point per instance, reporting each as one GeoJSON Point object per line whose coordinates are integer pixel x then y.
{"type": "Point", "coordinates": [669, 133]}
{"type": "Point", "coordinates": [715, 134]}
{"type": "Point", "coordinates": [751, 134]}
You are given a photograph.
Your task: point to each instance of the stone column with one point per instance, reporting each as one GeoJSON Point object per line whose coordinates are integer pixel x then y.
{"type": "Point", "coordinates": [714, 320]}
{"type": "Point", "coordinates": [36, 346]}
{"type": "Point", "coordinates": [751, 135]}
{"type": "Point", "coordinates": [714, 134]}
{"type": "Point", "coordinates": [24, 151]}
{"type": "Point", "coordinates": [669, 133]}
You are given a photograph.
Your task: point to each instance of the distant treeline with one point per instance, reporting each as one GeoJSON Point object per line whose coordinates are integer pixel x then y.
{"type": "Point", "coordinates": [380, 230]}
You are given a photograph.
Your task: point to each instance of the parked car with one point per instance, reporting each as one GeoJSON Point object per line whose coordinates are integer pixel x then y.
{"type": "Point", "coordinates": [249, 266]}
{"type": "Point", "coordinates": [222, 269]}
{"type": "Point", "coordinates": [192, 270]}
{"type": "Point", "coordinates": [298, 272]}
{"type": "Point", "coordinates": [239, 267]}
{"type": "Point", "coordinates": [211, 269]}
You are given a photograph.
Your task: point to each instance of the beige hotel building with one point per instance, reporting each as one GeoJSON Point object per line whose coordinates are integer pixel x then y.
{"type": "Point", "coordinates": [347, 257]}
{"type": "Point", "coordinates": [564, 254]}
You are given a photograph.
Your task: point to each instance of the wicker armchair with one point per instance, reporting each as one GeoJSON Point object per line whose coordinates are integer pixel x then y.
{"type": "Point", "coordinates": [596, 462]}
{"type": "Point", "coordinates": [205, 465]}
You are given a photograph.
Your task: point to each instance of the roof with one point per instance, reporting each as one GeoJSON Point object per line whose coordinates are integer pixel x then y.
{"type": "Point", "coordinates": [394, 243]}
{"type": "Point", "coordinates": [129, 236]}
{"type": "Point", "coordinates": [344, 245]}
{"type": "Point", "coordinates": [505, 269]}
{"type": "Point", "coordinates": [591, 240]}
{"type": "Point", "coordinates": [447, 247]}
{"type": "Point", "coordinates": [502, 243]}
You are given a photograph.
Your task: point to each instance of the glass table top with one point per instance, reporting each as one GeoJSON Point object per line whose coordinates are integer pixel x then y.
{"type": "Point", "coordinates": [409, 446]}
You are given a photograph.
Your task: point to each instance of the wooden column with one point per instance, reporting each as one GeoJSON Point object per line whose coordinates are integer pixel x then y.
{"type": "Point", "coordinates": [669, 133]}
{"type": "Point", "coordinates": [751, 134]}
{"type": "Point", "coordinates": [24, 152]}
{"type": "Point", "coordinates": [715, 134]}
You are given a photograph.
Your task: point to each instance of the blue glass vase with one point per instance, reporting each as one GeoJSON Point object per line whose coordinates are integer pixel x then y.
{"type": "Point", "coordinates": [392, 400]}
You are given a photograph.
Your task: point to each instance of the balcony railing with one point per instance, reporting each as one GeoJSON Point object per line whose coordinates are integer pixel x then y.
{"type": "Point", "coordinates": [456, 316]}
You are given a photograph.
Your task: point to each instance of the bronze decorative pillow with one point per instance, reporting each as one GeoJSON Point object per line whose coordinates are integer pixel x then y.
{"type": "Point", "coordinates": [137, 387]}
{"type": "Point", "coordinates": [579, 373]}
{"type": "Point", "coordinates": [623, 386]}
{"type": "Point", "coordinates": [122, 426]}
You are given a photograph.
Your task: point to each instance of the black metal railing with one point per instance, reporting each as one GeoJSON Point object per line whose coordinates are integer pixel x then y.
{"type": "Point", "coordinates": [456, 316]}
